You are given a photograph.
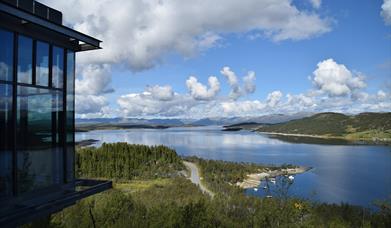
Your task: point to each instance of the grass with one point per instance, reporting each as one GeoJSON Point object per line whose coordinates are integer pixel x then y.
{"type": "Point", "coordinates": [370, 135]}
{"type": "Point", "coordinates": [133, 186]}
{"type": "Point", "coordinates": [368, 127]}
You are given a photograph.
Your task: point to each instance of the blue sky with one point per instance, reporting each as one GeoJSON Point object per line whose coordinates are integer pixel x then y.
{"type": "Point", "coordinates": [352, 35]}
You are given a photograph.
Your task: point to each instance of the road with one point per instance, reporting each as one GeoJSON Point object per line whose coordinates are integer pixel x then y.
{"type": "Point", "coordinates": [195, 177]}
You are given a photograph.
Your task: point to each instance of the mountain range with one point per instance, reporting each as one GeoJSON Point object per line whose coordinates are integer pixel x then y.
{"type": "Point", "coordinates": [267, 119]}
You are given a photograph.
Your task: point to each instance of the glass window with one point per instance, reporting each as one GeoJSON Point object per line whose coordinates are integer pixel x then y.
{"type": "Point", "coordinates": [25, 60]}
{"type": "Point", "coordinates": [39, 153]}
{"type": "Point", "coordinates": [58, 67]}
{"type": "Point", "coordinates": [70, 115]}
{"type": "Point", "coordinates": [6, 55]}
{"type": "Point", "coordinates": [42, 64]}
{"type": "Point", "coordinates": [5, 140]}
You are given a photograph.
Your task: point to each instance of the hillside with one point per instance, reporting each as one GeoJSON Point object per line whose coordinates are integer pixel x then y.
{"type": "Point", "coordinates": [364, 126]}
{"type": "Point", "coordinates": [121, 161]}
{"type": "Point", "coordinates": [148, 193]}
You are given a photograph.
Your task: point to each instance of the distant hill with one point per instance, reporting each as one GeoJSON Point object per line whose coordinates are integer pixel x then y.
{"type": "Point", "coordinates": [208, 122]}
{"type": "Point", "coordinates": [277, 118]}
{"type": "Point", "coordinates": [133, 121]}
{"type": "Point", "coordinates": [364, 126]}
{"type": "Point", "coordinates": [262, 119]}
{"type": "Point", "coordinates": [107, 126]}
{"type": "Point", "coordinates": [173, 122]}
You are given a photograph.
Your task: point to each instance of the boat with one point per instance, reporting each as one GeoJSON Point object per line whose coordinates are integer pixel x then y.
{"type": "Point", "coordinates": [256, 189]}
{"type": "Point", "coordinates": [291, 178]}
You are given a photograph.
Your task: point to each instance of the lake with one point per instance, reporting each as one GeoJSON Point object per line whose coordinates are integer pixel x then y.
{"type": "Point", "coordinates": [355, 174]}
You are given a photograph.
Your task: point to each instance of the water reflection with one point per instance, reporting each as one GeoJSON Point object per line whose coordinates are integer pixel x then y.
{"type": "Point", "coordinates": [355, 174]}
{"type": "Point", "coordinates": [209, 140]}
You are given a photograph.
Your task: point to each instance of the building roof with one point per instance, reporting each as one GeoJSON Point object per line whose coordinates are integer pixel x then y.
{"type": "Point", "coordinates": [30, 11]}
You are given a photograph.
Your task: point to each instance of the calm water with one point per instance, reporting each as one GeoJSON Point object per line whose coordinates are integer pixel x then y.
{"type": "Point", "coordinates": [355, 174]}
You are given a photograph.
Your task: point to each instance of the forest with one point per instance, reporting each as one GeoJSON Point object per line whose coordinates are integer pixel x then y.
{"type": "Point", "coordinates": [151, 191]}
{"type": "Point", "coordinates": [122, 161]}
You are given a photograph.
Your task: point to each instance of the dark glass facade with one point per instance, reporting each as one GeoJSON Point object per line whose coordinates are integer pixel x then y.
{"type": "Point", "coordinates": [42, 64]}
{"type": "Point", "coordinates": [58, 67]}
{"type": "Point", "coordinates": [5, 140]}
{"type": "Point", "coordinates": [25, 60]}
{"type": "Point", "coordinates": [38, 145]}
{"type": "Point", "coordinates": [37, 108]}
{"type": "Point", "coordinates": [36, 115]}
{"type": "Point", "coordinates": [6, 54]}
{"type": "Point", "coordinates": [70, 121]}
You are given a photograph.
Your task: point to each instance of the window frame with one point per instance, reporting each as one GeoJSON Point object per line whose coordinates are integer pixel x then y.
{"type": "Point", "coordinates": [63, 118]}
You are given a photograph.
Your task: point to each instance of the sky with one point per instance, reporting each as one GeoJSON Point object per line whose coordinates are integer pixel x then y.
{"type": "Point", "coordinates": [224, 58]}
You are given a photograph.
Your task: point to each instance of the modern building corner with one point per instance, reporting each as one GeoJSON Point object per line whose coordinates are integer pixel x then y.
{"type": "Point", "coordinates": [37, 113]}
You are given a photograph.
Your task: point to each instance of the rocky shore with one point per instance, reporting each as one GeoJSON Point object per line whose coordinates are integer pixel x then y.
{"type": "Point", "coordinates": [254, 180]}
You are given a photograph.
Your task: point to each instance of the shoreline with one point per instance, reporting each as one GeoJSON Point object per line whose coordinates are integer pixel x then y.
{"type": "Point", "coordinates": [368, 141]}
{"type": "Point", "coordinates": [254, 180]}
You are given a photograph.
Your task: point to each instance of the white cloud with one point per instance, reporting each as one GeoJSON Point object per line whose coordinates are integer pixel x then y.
{"type": "Point", "coordinates": [300, 100]}
{"type": "Point", "coordinates": [381, 95]}
{"type": "Point", "coordinates": [243, 108]}
{"type": "Point", "coordinates": [274, 98]}
{"type": "Point", "coordinates": [335, 79]}
{"type": "Point", "coordinates": [316, 3]}
{"type": "Point", "coordinates": [202, 100]}
{"type": "Point", "coordinates": [386, 11]}
{"type": "Point", "coordinates": [249, 82]}
{"type": "Point", "coordinates": [230, 75]}
{"type": "Point", "coordinates": [233, 81]}
{"type": "Point", "coordinates": [199, 91]}
{"type": "Point", "coordinates": [95, 80]}
{"type": "Point", "coordinates": [208, 40]}
{"type": "Point", "coordinates": [90, 104]}
{"type": "Point", "coordinates": [360, 96]}
{"type": "Point", "coordinates": [140, 33]}
{"type": "Point", "coordinates": [163, 93]}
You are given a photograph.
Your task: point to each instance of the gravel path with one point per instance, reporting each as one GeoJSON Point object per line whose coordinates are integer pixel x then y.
{"type": "Point", "coordinates": [195, 177]}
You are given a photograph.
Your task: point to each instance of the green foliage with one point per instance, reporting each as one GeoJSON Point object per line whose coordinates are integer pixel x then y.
{"type": "Point", "coordinates": [176, 202]}
{"type": "Point", "coordinates": [221, 176]}
{"type": "Point", "coordinates": [335, 124]}
{"type": "Point", "coordinates": [178, 190]}
{"type": "Point", "coordinates": [108, 209]}
{"type": "Point", "coordinates": [122, 161]}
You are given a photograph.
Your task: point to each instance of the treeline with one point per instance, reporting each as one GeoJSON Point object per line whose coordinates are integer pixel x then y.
{"type": "Point", "coordinates": [336, 124]}
{"type": "Point", "coordinates": [125, 161]}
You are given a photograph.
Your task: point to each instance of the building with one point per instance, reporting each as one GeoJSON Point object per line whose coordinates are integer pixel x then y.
{"type": "Point", "coordinates": [37, 91]}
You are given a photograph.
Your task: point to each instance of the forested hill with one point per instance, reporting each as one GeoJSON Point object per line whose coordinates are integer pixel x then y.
{"type": "Point", "coordinates": [361, 126]}
{"type": "Point", "coordinates": [126, 161]}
